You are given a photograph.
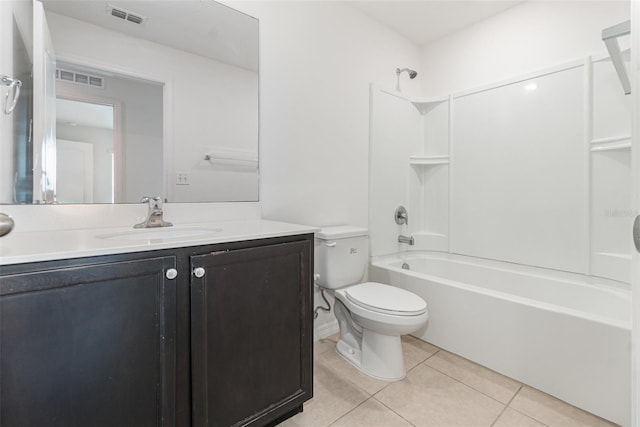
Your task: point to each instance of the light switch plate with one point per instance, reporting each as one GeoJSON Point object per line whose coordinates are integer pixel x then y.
{"type": "Point", "coordinates": [182, 178]}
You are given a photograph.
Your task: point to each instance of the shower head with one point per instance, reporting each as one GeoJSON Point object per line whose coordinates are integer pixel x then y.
{"type": "Point", "coordinates": [412, 73]}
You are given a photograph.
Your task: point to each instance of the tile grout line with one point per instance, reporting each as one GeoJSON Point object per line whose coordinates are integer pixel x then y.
{"type": "Point", "coordinates": [430, 356]}
{"type": "Point", "coordinates": [383, 404]}
{"type": "Point", "coordinates": [416, 365]}
{"type": "Point", "coordinates": [523, 413]}
{"type": "Point", "coordinates": [472, 388]}
{"type": "Point", "coordinates": [506, 406]}
{"type": "Point", "coordinates": [350, 411]}
{"type": "Point", "coordinates": [522, 385]}
{"type": "Point", "coordinates": [373, 396]}
{"type": "Point", "coordinates": [529, 416]}
{"type": "Point", "coordinates": [515, 394]}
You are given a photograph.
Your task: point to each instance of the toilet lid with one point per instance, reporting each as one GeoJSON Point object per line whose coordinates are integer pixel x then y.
{"type": "Point", "coordinates": [386, 299]}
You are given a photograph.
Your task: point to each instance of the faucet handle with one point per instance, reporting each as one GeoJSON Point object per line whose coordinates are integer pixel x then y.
{"type": "Point", "coordinates": [157, 202]}
{"type": "Point", "coordinates": [401, 216]}
{"type": "Point", "coordinates": [154, 202]}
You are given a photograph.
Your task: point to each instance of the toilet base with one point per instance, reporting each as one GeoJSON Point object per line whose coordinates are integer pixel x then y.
{"type": "Point", "coordinates": [380, 356]}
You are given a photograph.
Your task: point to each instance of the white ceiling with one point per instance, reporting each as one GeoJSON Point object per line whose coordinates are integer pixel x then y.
{"type": "Point", "coordinates": [217, 31]}
{"type": "Point", "coordinates": [204, 28]}
{"type": "Point", "coordinates": [423, 21]}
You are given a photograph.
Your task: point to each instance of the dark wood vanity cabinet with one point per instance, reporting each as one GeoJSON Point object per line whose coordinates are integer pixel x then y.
{"type": "Point", "coordinates": [250, 312]}
{"type": "Point", "coordinates": [88, 345]}
{"type": "Point", "coordinates": [116, 341]}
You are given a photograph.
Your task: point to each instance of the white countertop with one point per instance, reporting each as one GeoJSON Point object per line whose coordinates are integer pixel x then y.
{"type": "Point", "coordinates": [34, 246]}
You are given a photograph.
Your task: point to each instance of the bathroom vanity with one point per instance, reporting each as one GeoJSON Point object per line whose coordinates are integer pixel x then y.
{"type": "Point", "coordinates": [202, 331]}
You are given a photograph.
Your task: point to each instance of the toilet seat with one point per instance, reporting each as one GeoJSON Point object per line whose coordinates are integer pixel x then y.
{"type": "Point", "coordinates": [385, 299]}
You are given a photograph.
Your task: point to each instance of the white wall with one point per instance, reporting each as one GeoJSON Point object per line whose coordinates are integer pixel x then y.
{"type": "Point", "coordinates": [317, 60]}
{"type": "Point", "coordinates": [525, 38]}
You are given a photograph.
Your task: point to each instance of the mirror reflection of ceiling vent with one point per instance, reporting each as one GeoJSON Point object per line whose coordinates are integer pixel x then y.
{"type": "Point", "coordinates": [79, 78]}
{"type": "Point", "coordinates": [127, 15]}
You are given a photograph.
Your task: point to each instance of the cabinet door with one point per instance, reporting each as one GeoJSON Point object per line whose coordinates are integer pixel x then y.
{"type": "Point", "coordinates": [89, 345]}
{"type": "Point", "coordinates": [251, 334]}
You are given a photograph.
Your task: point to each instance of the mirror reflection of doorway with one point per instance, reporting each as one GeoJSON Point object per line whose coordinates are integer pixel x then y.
{"type": "Point", "coordinates": [75, 171]}
{"type": "Point", "coordinates": [84, 152]}
{"type": "Point", "coordinates": [122, 116]}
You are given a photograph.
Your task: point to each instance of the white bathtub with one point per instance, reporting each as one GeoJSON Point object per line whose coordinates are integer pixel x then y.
{"type": "Point", "coordinates": [568, 335]}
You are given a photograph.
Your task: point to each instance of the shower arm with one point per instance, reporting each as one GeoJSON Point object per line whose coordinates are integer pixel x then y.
{"type": "Point", "coordinates": [610, 38]}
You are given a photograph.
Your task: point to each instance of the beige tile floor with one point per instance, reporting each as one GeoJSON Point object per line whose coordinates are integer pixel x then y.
{"type": "Point", "coordinates": [440, 390]}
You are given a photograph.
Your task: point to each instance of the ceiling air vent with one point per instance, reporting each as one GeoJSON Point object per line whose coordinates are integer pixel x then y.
{"type": "Point", "coordinates": [80, 78]}
{"type": "Point", "coordinates": [124, 14]}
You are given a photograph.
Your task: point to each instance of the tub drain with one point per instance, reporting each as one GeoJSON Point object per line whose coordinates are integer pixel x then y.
{"type": "Point", "coordinates": [405, 266]}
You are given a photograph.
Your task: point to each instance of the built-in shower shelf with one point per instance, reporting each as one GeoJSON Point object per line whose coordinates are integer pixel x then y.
{"type": "Point", "coordinates": [611, 144]}
{"type": "Point", "coordinates": [428, 160]}
{"type": "Point", "coordinates": [424, 105]}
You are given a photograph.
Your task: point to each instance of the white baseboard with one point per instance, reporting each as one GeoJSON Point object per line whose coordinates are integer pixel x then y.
{"type": "Point", "coordinates": [325, 330]}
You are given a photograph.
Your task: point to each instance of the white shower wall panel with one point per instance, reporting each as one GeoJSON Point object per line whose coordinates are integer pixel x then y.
{"type": "Point", "coordinates": [396, 133]}
{"type": "Point", "coordinates": [436, 130]}
{"type": "Point", "coordinates": [611, 217]}
{"type": "Point", "coordinates": [435, 201]}
{"type": "Point", "coordinates": [611, 108]}
{"type": "Point", "coordinates": [517, 178]}
{"type": "Point", "coordinates": [611, 213]}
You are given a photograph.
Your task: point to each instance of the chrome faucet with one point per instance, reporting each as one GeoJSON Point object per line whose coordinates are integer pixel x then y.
{"type": "Point", "coordinates": [401, 216]}
{"type": "Point", "coordinates": [406, 239]}
{"type": "Point", "coordinates": [154, 215]}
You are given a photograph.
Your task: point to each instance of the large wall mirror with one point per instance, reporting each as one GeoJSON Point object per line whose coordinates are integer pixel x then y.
{"type": "Point", "coordinates": [134, 98]}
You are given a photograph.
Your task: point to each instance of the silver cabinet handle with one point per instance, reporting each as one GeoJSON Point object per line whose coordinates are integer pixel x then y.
{"type": "Point", "coordinates": [172, 273]}
{"type": "Point", "coordinates": [198, 272]}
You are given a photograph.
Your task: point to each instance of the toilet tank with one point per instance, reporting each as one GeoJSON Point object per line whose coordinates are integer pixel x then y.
{"type": "Point", "coordinates": [340, 255]}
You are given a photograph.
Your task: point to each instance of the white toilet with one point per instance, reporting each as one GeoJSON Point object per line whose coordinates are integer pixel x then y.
{"type": "Point", "coordinates": [371, 316]}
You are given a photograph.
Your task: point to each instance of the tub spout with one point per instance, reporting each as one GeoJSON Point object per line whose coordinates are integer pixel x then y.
{"type": "Point", "coordinates": [406, 239]}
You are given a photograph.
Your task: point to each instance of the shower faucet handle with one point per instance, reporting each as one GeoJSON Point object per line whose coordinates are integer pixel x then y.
{"type": "Point", "coordinates": [401, 216]}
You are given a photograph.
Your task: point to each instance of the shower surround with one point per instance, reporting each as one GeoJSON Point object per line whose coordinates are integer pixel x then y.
{"type": "Point", "coordinates": [515, 191]}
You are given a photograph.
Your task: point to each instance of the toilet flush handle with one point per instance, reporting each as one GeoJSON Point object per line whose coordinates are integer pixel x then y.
{"type": "Point", "coordinates": [331, 244]}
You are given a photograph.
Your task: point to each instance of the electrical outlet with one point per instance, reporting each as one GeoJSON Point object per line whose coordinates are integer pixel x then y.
{"type": "Point", "coordinates": [182, 178]}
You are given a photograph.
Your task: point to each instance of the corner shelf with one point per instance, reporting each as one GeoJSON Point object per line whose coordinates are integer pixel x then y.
{"type": "Point", "coordinates": [428, 160]}
{"type": "Point", "coordinates": [611, 144]}
{"type": "Point", "coordinates": [424, 105]}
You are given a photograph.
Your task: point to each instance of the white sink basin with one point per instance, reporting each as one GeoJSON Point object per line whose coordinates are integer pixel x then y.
{"type": "Point", "coordinates": [163, 234]}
